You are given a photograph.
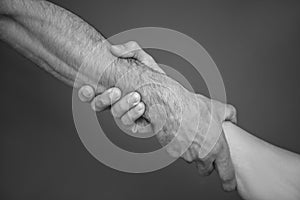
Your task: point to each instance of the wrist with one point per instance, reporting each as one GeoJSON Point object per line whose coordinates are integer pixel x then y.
{"type": "Point", "coordinates": [95, 62]}
{"type": "Point", "coordinates": [181, 125]}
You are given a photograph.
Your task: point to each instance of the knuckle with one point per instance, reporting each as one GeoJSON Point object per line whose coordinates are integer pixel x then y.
{"type": "Point", "coordinates": [132, 114]}
{"type": "Point", "coordinates": [114, 112]}
{"type": "Point", "coordinates": [133, 99]}
{"type": "Point", "coordinates": [139, 108]}
{"type": "Point", "coordinates": [81, 97]}
{"type": "Point", "coordinates": [123, 106]}
{"type": "Point", "coordinates": [205, 169]}
{"type": "Point", "coordinates": [114, 95]}
{"type": "Point", "coordinates": [226, 174]}
{"type": "Point", "coordinates": [133, 44]}
{"type": "Point", "coordinates": [206, 172]}
{"type": "Point", "coordinates": [194, 149]}
{"type": "Point", "coordinates": [232, 113]}
{"type": "Point", "coordinates": [126, 120]}
{"type": "Point", "coordinates": [135, 114]}
{"type": "Point", "coordinates": [100, 102]}
{"type": "Point", "coordinates": [119, 108]}
{"type": "Point", "coordinates": [187, 157]}
{"type": "Point", "coordinates": [97, 104]}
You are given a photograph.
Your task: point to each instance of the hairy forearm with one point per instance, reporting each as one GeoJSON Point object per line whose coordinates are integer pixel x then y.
{"type": "Point", "coordinates": [62, 43]}
{"type": "Point", "coordinates": [50, 36]}
{"type": "Point", "coordinates": [263, 171]}
{"type": "Point", "coordinates": [74, 52]}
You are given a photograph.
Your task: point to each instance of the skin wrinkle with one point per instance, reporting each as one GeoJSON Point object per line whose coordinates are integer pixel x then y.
{"type": "Point", "coordinates": [155, 89]}
{"type": "Point", "coordinates": [31, 20]}
{"type": "Point", "coordinates": [64, 43]}
{"type": "Point", "coordinates": [16, 29]}
{"type": "Point", "coordinates": [132, 74]}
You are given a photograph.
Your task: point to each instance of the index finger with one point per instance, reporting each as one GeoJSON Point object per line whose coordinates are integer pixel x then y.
{"type": "Point", "coordinates": [106, 99]}
{"type": "Point", "coordinates": [224, 167]}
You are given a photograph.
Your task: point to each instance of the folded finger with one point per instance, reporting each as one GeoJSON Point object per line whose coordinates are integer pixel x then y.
{"type": "Point", "coordinates": [225, 168]}
{"type": "Point", "coordinates": [126, 50]}
{"type": "Point", "coordinates": [230, 113]}
{"type": "Point", "coordinates": [141, 126]}
{"type": "Point", "coordinates": [133, 114]}
{"type": "Point", "coordinates": [106, 99]}
{"type": "Point", "coordinates": [125, 104]}
{"type": "Point", "coordinates": [205, 168]}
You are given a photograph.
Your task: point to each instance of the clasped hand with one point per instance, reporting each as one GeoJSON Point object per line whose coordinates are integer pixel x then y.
{"type": "Point", "coordinates": [130, 108]}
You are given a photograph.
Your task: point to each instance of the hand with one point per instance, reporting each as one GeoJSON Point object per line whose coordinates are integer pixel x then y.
{"type": "Point", "coordinates": [219, 156]}
{"type": "Point", "coordinates": [129, 108]}
{"type": "Point", "coordinates": [133, 50]}
{"type": "Point", "coordinates": [194, 105]}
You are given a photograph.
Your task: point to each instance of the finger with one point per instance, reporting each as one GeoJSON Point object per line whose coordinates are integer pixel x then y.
{"type": "Point", "coordinates": [225, 167]}
{"type": "Point", "coordinates": [107, 98]}
{"type": "Point", "coordinates": [126, 50]}
{"type": "Point", "coordinates": [141, 126]}
{"type": "Point", "coordinates": [125, 104]}
{"type": "Point", "coordinates": [133, 114]}
{"type": "Point", "coordinates": [86, 93]}
{"type": "Point", "coordinates": [230, 113]}
{"type": "Point", "coordinates": [142, 129]}
{"type": "Point", "coordinates": [133, 50]}
{"type": "Point", "coordinates": [205, 168]}
{"type": "Point", "coordinates": [146, 59]}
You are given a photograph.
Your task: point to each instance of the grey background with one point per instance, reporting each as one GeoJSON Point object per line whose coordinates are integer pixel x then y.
{"type": "Point", "coordinates": [256, 46]}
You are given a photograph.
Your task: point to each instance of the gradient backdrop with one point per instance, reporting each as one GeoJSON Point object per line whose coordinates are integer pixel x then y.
{"type": "Point", "coordinates": [256, 46]}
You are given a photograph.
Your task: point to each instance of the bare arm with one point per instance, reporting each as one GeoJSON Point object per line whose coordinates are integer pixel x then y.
{"type": "Point", "coordinates": [62, 43]}
{"type": "Point", "coordinates": [263, 171]}
{"type": "Point", "coordinates": [53, 38]}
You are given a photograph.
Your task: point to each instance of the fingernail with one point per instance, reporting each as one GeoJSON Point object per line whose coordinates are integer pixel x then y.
{"type": "Point", "coordinates": [139, 107]}
{"type": "Point", "coordinates": [114, 94]}
{"type": "Point", "coordinates": [87, 92]}
{"type": "Point", "coordinates": [134, 128]}
{"type": "Point", "coordinates": [134, 99]}
{"type": "Point", "coordinates": [115, 47]}
{"type": "Point", "coordinates": [100, 103]}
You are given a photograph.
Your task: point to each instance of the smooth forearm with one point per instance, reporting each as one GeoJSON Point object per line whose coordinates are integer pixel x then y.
{"type": "Point", "coordinates": [263, 171]}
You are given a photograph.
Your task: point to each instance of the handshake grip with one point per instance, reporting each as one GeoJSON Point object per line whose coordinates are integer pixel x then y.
{"type": "Point", "coordinates": [188, 124]}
